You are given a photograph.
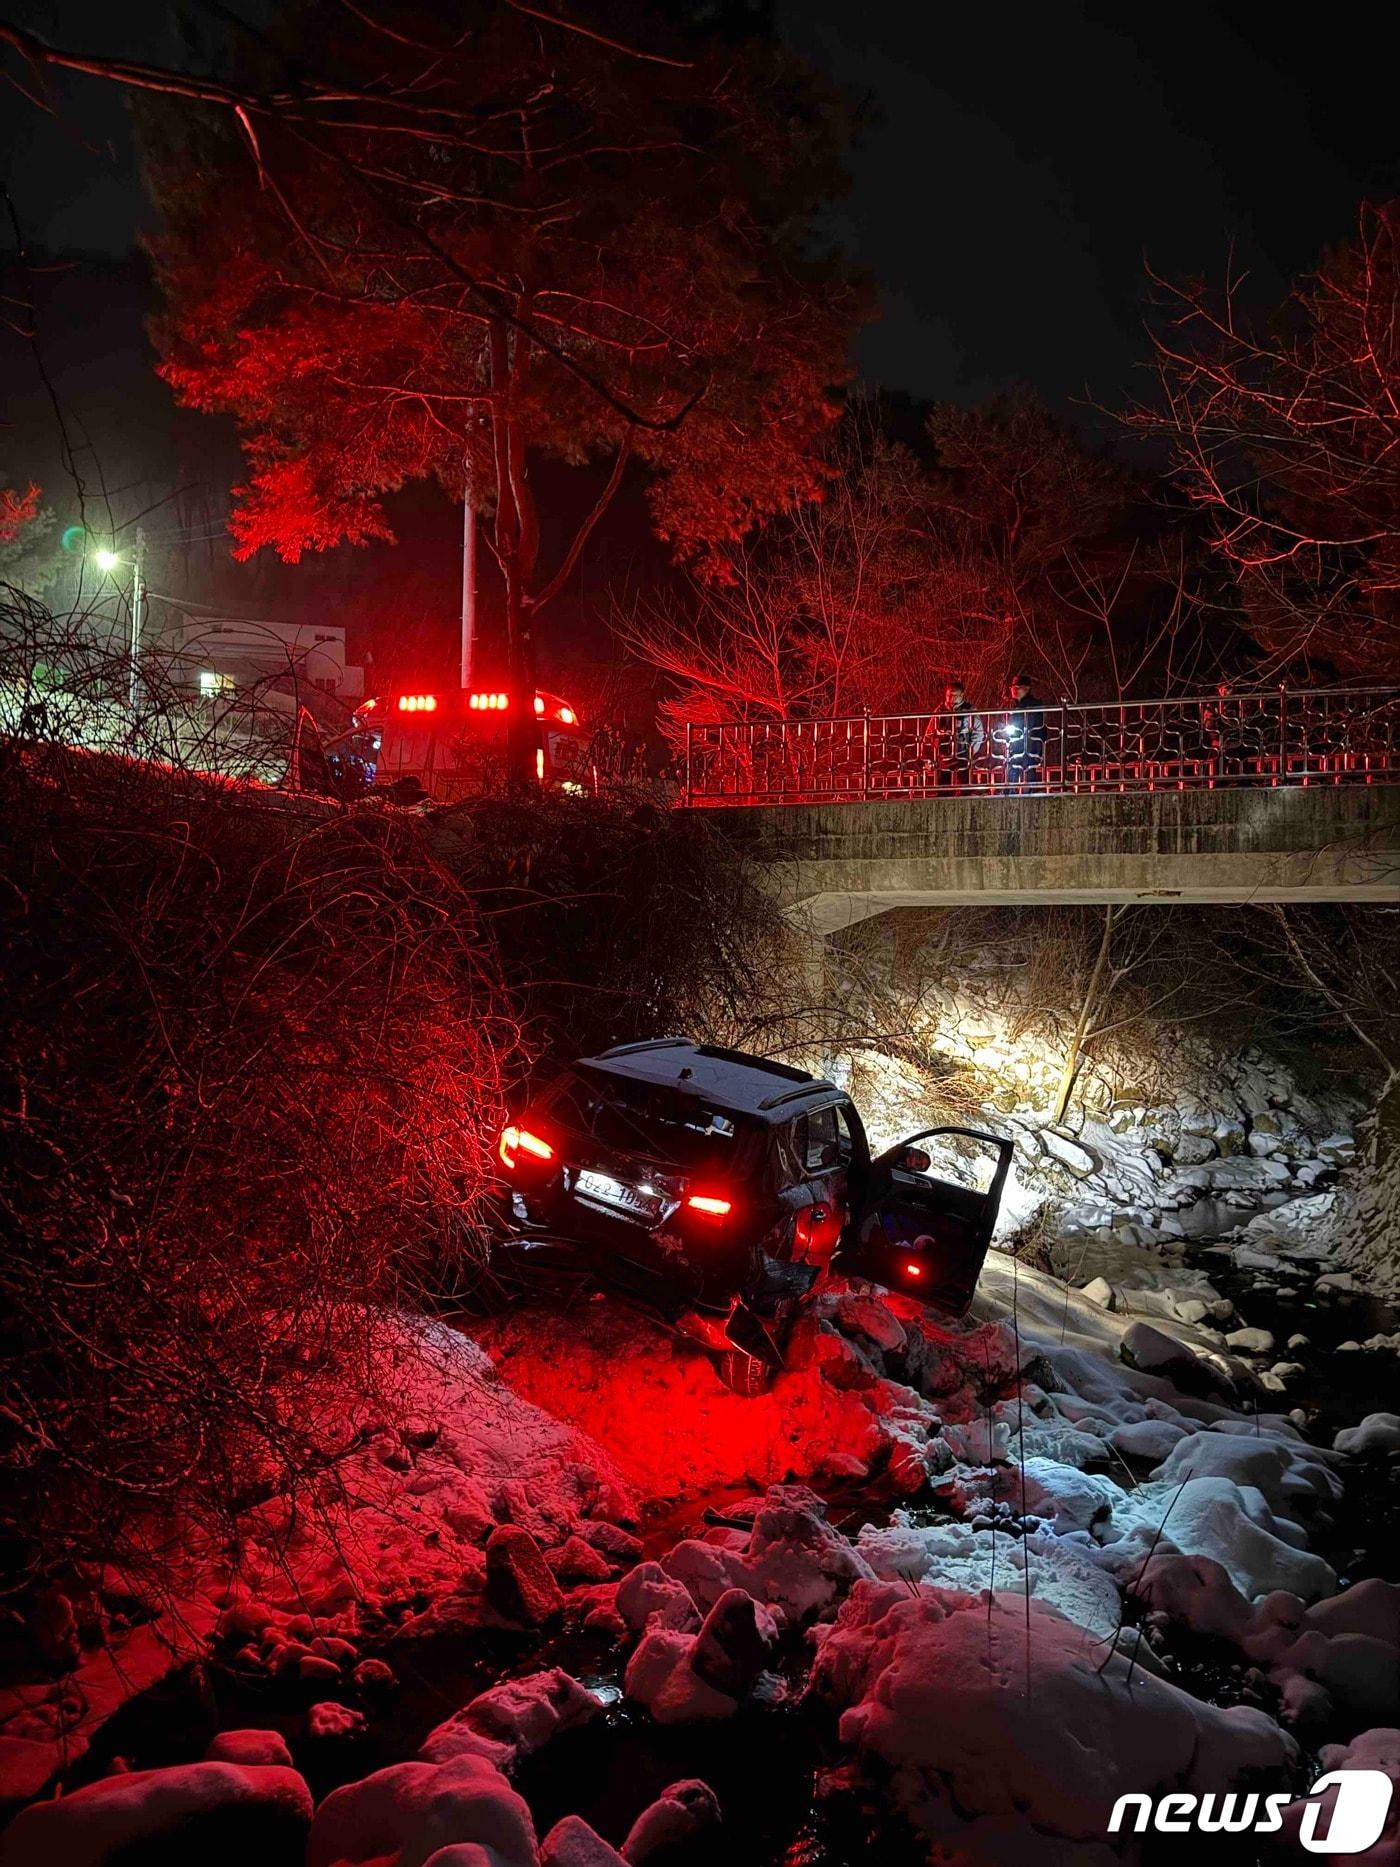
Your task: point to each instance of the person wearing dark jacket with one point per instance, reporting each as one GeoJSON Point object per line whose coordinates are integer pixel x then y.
{"type": "Point", "coordinates": [1022, 733]}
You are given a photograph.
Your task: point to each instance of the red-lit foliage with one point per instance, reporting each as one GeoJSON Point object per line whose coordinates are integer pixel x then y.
{"type": "Point", "coordinates": [1285, 433]}
{"type": "Point", "coordinates": [522, 239]}
{"type": "Point", "coordinates": [16, 511]}
{"type": "Point", "coordinates": [1007, 543]}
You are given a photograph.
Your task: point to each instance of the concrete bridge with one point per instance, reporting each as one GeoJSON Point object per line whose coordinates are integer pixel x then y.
{"type": "Point", "coordinates": [832, 865]}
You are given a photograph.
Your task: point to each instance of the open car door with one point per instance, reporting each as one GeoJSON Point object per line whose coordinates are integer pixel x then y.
{"type": "Point", "coordinates": [921, 1235]}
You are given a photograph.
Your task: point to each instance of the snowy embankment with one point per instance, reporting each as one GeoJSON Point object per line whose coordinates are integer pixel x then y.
{"type": "Point", "coordinates": [395, 1527]}
{"type": "Point", "coordinates": [1052, 1491]}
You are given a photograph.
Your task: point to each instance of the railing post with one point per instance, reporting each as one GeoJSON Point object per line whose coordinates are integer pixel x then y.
{"type": "Point", "coordinates": [865, 756]}
{"type": "Point", "coordinates": [1282, 732]}
{"type": "Point", "coordinates": [689, 785]}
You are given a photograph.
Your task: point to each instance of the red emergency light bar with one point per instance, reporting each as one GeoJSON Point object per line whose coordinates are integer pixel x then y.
{"type": "Point", "coordinates": [481, 700]}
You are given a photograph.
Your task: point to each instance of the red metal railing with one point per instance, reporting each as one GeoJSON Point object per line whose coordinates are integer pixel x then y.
{"type": "Point", "coordinates": [1296, 736]}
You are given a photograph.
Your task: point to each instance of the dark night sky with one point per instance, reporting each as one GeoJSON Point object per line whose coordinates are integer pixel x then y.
{"type": "Point", "coordinates": [1020, 163]}
{"type": "Point", "coordinates": [1018, 166]}
{"type": "Point", "coordinates": [1025, 160]}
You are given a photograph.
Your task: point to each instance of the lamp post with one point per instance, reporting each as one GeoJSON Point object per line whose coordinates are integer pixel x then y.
{"type": "Point", "coordinates": [109, 562]}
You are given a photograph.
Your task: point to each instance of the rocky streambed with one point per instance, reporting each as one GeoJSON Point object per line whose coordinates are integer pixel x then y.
{"type": "Point", "coordinates": [944, 1588]}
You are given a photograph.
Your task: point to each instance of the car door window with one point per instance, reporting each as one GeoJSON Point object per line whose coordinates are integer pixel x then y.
{"type": "Point", "coordinates": [845, 1140]}
{"type": "Point", "coordinates": [821, 1149]}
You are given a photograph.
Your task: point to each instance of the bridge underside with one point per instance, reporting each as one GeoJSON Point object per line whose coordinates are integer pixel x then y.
{"type": "Point", "coordinates": [834, 865]}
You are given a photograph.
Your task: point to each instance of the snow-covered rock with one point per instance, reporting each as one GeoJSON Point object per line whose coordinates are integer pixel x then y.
{"type": "Point", "coordinates": [330, 1719]}
{"type": "Point", "coordinates": [1378, 1436]}
{"type": "Point", "coordinates": [248, 1746]}
{"type": "Point", "coordinates": [266, 1805]}
{"type": "Point", "coordinates": [661, 1675]}
{"type": "Point", "coordinates": [1193, 1150]}
{"type": "Point", "coordinates": [1066, 1498]}
{"type": "Point", "coordinates": [1066, 1572]}
{"type": "Point", "coordinates": [519, 1582]}
{"type": "Point", "coordinates": [792, 1560]}
{"type": "Point", "coordinates": [572, 1843]}
{"type": "Point", "coordinates": [1250, 1341]}
{"type": "Point", "coordinates": [680, 1814]}
{"type": "Point", "coordinates": [402, 1816]}
{"type": "Point", "coordinates": [648, 1597]}
{"type": "Point", "coordinates": [1291, 1475]}
{"type": "Point", "coordinates": [512, 1719]}
{"type": "Point", "coordinates": [1146, 1439]}
{"type": "Point", "coordinates": [1231, 1524]}
{"type": "Point", "coordinates": [734, 1644]}
{"type": "Point", "coordinates": [1007, 1738]}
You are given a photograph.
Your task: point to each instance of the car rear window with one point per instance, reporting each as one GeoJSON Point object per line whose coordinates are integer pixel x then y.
{"type": "Point", "coordinates": [662, 1123]}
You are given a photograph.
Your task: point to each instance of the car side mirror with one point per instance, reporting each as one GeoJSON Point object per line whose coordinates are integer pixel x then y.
{"type": "Point", "coordinates": [915, 1160]}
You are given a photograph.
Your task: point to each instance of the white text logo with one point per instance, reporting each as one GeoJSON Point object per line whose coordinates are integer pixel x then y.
{"type": "Point", "coordinates": [1351, 1815]}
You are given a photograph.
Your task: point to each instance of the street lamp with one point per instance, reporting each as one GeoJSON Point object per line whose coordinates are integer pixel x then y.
{"type": "Point", "coordinates": [108, 561]}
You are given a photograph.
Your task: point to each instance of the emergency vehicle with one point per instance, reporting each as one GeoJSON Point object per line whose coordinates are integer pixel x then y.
{"type": "Point", "coordinates": [451, 744]}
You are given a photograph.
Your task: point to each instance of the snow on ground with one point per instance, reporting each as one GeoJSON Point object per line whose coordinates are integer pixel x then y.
{"type": "Point", "coordinates": [401, 1512]}
{"type": "Point", "coordinates": [674, 1431]}
{"type": "Point", "coordinates": [1044, 1478]}
{"type": "Point", "coordinates": [408, 1510]}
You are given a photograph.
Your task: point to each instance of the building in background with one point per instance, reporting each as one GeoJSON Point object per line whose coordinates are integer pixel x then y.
{"type": "Point", "coordinates": [304, 663]}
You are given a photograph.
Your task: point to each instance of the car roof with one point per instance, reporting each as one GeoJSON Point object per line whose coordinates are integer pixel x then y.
{"type": "Point", "coordinates": [725, 1079]}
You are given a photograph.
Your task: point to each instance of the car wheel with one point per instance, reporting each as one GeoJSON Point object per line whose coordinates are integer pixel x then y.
{"type": "Point", "coordinates": [744, 1374]}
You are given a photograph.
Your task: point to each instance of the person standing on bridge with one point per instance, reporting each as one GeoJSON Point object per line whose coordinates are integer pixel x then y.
{"type": "Point", "coordinates": [1023, 733]}
{"type": "Point", "coordinates": [961, 737]}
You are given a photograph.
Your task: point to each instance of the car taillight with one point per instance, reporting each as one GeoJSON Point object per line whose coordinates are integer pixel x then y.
{"type": "Point", "coordinates": [912, 1268]}
{"type": "Point", "coordinates": [708, 1203]}
{"type": "Point", "coordinates": [515, 1141]}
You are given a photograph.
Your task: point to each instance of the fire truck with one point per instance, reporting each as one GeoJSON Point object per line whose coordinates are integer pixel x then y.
{"type": "Point", "coordinates": [451, 744]}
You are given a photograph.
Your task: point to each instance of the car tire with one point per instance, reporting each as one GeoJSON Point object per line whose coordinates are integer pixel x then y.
{"type": "Point", "coordinates": [744, 1374]}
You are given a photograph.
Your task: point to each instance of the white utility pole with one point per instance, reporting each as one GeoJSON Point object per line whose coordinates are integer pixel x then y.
{"type": "Point", "coordinates": [468, 588]}
{"type": "Point", "coordinates": [138, 595]}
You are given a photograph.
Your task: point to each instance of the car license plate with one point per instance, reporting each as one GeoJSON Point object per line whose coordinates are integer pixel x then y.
{"type": "Point", "coordinates": [616, 1193]}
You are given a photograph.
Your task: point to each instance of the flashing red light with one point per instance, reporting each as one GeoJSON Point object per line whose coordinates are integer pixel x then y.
{"type": "Point", "coordinates": [515, 1139]}
{"type": "Point", "coordinates": [539, 704]}
{"type": "Point", "coordinates": [418, 703]}
{"type": "Point", "coordinates": [708, 1203]}
{"type": "Point", "coordinates": [912, 1268]}
{"type": "Point", "coordinates": [567, 716]}
{"type": "Point", "coordinates": [488, 703]}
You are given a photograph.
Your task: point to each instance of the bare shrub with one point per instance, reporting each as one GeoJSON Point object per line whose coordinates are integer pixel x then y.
{"type": "Point", "coordinates": [253, 1052]}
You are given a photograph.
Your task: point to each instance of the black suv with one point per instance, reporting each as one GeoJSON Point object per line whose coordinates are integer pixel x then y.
{"type": "Point", "coordinates": [719, 1187]}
